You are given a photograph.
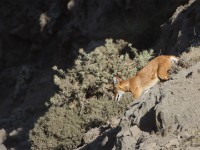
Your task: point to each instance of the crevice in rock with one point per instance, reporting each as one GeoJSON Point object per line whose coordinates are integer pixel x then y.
{"type": "Point", "coordinates": [148, 121]}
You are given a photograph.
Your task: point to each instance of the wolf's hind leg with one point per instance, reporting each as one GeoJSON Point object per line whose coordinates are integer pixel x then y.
{"type": "Point", "coordinates": [163, 71]}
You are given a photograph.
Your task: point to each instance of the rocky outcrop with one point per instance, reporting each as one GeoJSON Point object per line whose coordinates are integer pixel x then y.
{"type": "Point", "coordinates": [166, 117]}
{"type": "Point", "coordinates": [171, 109]}
{"type": "Point", "coordinates": [32, 30]}
{"type": "Point", "coordinates": [182, 30]}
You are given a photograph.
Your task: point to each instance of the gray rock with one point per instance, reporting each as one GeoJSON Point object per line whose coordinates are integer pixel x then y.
{"type": "Point", "coordinates": [135, 131]}
{"type": "Point", "coordinates": [91, 135]}
{"type": "Point", "coordinates": [2, 147]}
{"type": "Point", "coordinates": [3, 135]}
{"type": "Point", "coordinates": [150, 146]}
{"type": "Point", "coordinates": [173, 142]}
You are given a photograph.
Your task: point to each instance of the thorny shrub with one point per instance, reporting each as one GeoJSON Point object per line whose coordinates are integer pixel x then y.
{"type": "Point", "coordinates": [92, 75]}
{"type": "Point", "coordinates": [85, 97]}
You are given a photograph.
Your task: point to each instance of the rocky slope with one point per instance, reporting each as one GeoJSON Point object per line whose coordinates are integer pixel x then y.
{"type": "Point", "coordinates": [38, 35]}
{"type": "Point", "coordinates": [165, 118]}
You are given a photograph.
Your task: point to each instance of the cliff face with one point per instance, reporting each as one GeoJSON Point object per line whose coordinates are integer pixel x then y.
{"type": "Point", "coordinates": [182, 29]}
{"type": "Point", "coordinates": [36, 35]}
{"type": "Point", "coordinates": [30, 31]}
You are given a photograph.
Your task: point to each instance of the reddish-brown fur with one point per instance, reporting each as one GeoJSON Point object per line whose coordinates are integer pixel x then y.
{"type": "Point", "coordinates": [156, 70]}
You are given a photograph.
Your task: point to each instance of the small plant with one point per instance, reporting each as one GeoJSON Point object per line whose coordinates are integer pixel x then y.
{"type": "Point", "coordinates": [141, 58]}
{"type": "Point", "coordinates": [85, 99]}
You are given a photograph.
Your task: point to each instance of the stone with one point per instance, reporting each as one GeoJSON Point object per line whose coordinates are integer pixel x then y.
{"type": "Point", "coordinates": [151, 146]}
{"type": "Point", "coordinates": [173, 142]}
{"type": "Point", "coordinates": [135, 130]}
{"type": "Point", "coordinates": [3, 136]}
{"type": "Point", "coordinates": [91, 135]}
{"type": "Point", "coordinates": [14, 133]}
{"type": "Point", "coordinates": [2, 147]}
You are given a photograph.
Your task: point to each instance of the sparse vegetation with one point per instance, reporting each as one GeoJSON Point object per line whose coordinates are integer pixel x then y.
{"type": "Point", "coordinates": [85, 98]}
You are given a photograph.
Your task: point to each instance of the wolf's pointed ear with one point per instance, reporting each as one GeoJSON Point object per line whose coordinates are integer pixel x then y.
{"type": "Point", "coordinates": [116, 79]}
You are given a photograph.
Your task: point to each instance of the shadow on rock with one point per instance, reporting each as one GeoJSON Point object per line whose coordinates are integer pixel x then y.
{"type": "Point", "coordinates": [148, 121]}
{"type": "Point", "coordinates": [29, 92]}
{"type": "Point", "coordinates": [105, 141]}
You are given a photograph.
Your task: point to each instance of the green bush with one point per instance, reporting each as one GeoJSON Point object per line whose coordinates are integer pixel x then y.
{"type": "Point", "coordinates": [85, 99]}
{"type": "Point", "coordinates": [92, 75]}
